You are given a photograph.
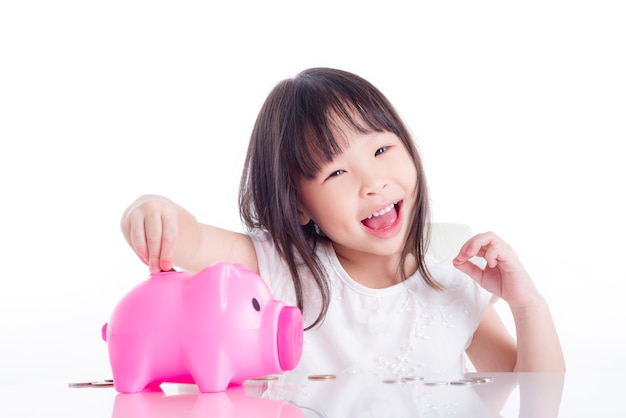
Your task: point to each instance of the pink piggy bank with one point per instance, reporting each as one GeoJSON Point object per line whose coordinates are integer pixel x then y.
{"type": "Point", "coordinates": [213, 328]}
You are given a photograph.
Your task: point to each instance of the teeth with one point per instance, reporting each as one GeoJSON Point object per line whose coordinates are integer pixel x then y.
{"type": "Point", "coordinates": [382, 212]}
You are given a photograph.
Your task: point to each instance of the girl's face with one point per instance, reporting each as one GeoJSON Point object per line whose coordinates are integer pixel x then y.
{"type": "Point", "coordinates": [363, 200]}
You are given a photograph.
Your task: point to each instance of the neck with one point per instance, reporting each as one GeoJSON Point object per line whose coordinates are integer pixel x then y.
{"type": "Point", "coordinates": [376, 272]}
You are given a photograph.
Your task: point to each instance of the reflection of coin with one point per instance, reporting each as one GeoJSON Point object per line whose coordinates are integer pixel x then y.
{"type": "Point", "coordinates": [322, 377]}
{"type": "Point", "coordinates": [464, 382]}
{"type": "Point", "coordinates": [481, 379]}
{"type": "Point", "coordinates": [436, 383]}
{"type": "Point", "coordinates": [265, 378]}
{"type": "Point", "coordinates": [412, 378]}
{"type": "Point", "coordinates": [393, 381]}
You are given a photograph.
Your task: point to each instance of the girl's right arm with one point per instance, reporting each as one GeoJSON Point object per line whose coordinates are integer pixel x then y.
{"type": "Point", "coordinates": [164, 234]}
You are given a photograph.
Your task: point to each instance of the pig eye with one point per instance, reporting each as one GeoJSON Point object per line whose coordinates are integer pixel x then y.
{"type": "Point", "coordinates": [255, 304]}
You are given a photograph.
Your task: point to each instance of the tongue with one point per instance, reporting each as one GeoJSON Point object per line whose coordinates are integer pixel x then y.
{"type": "Point", "coordinates": [378, 223]}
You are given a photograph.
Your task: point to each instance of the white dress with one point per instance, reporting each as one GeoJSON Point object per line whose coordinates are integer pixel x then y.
{"type": "Point", "coordinates": [408, 329]}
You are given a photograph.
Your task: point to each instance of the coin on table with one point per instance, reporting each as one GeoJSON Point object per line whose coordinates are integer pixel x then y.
{"type": "Point", "coordinates": [481, 379]}
{"type": "Point", "coordinates": [412, 378]}
{"type": "Point", "coordinates": [436, 383]}
{"type": "Point", "coordinates": [322, 377]}
{"type": "Point", "coordinates": [79, 384]}
{"type": "Point", "coordinates": [464, 382]}
{"type": "Point", "coordinates": [102, 383]}
{"type": "Point", "coordinates": [266, 378]}
{"type": "Point", "coordinates": [393, 381]}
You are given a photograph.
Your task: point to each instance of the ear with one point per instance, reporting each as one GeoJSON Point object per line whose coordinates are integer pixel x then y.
{"type": "Point", "coordinates": [303, 216]}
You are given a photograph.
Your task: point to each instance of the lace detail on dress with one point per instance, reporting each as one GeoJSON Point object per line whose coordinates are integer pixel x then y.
{"type": "Point", "coordinates": [424, 342]}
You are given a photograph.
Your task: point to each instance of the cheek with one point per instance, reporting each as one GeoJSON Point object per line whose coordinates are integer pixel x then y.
{"type": "Point", "coordinates": [412, 180]}
{"type": "Point", "coordinates": [412, 170]}
{"type": "Point", "coordinates": [408, 175]}
{"type": "Point", "coordinates": [328, 208]}
{"type": "Point", "coordinates": [311, 205]}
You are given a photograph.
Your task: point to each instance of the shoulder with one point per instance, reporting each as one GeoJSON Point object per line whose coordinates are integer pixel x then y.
{"type": "Point", "coordinates": [271, 266]}
{"type": "Point", "coordinates": [269, 258]}
{"type": "Point", "coordinates": [266, 252]}
{"type": "Point", "coordinates": [276, 273]}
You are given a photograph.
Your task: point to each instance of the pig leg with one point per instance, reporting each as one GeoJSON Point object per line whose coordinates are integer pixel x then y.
{"type": "Point", "coordinates": [131, 360]}
{"type": "Point", "coordinates": [209, 367]}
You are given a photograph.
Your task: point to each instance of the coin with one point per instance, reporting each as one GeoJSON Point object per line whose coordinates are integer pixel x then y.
{"type": "Point", "coordinates": [99, 383]}
{"type": "Point", "coordinates": [102, 384]}
{"type": "Point", "coordinates": [464, 382]}
{"type": "Point", "coordinates": [412, 378]}
{"type": "Point", "coordinates": [322, 377]}
{"type": "Point", "coordinates": [266, 378]}
{"type": "Point", "coordinates": [481, 379]}
{"type": "Point", "coordinates": [79, 384]}
{"type": "Point", "coordinates": [436, 383]}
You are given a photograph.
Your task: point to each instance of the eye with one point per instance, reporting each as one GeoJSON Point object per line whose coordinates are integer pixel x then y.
{"type": "Point", "coordinates": [256, 305]}
{"type": "Point", "coordinates": [335, 173]}
{"type": "Point", "coordinates": [380, 151]}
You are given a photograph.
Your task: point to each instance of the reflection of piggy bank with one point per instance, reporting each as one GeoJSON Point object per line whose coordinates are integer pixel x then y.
{"type": "Point", "coordinates": [232, 403]}
{"type": "Point", "coordinates": [218, 326]}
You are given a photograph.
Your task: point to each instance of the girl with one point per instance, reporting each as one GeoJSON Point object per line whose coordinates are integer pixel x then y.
{"type": "Point", "coordinates": [335, 201]}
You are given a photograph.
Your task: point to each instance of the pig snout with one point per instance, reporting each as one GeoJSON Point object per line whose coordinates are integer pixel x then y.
{"type": "Point", "coordinates": [290, 335]}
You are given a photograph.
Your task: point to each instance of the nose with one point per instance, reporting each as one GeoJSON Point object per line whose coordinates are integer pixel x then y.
{"type": "Point", "coordinates": [372, 182]}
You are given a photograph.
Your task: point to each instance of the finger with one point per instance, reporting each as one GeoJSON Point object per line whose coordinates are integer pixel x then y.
{"type": "Point", "coordinates": [153, 234]}
{"type": "Point", "coordinates": [470, 269]}
{"type": "Point", "coordinates": [168, 243]}
{"type": "Point", "coordinates": [474, 247]}
{"type": "Point", "coordinates": [492, 255]}
{"type": "Point", "coordinates": [137, 239]}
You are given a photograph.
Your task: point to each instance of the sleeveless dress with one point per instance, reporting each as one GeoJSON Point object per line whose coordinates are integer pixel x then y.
{"type": "Point", "coordinates": [408, 329]}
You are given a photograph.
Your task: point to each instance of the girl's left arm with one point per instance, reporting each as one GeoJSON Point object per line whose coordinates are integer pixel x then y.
{"type": "Point", "coordinates": [538, 345]}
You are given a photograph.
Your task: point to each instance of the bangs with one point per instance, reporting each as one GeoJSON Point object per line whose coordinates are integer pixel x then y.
{"type": "Point", "coordinates": [322, 117]}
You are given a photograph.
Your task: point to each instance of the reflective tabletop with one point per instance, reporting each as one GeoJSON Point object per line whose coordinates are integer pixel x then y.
{"type": "Point", "coordinates": [350, 395]}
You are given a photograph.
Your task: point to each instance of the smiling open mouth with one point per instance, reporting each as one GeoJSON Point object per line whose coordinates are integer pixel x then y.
{"type": "Point", "coordinates": [383, 219]}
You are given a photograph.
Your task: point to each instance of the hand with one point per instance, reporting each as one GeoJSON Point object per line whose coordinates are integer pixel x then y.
{"type": "Point", "coordinates": [503, 274]}
{"type": "Point", "coordinates": [150, 226]}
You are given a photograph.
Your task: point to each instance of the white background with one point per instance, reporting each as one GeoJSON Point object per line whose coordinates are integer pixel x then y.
{"type": "Point", "coordinates": [518, 109]}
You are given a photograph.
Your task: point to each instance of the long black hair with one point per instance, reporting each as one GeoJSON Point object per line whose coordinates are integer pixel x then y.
{"type": "Point", "coordinates": [292, 137]}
